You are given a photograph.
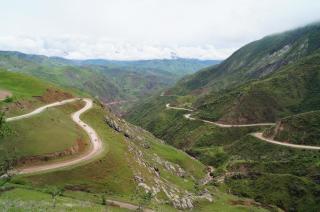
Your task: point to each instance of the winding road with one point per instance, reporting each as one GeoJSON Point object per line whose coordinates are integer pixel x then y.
{"type": "Point", "coordinates": [95, 150]}
{"type": "Point", "coordinates": [258, 135]}
{"type": "Point", "coordinates": [96, 143]}
{"type": "Point", "coordinates": [188, 116]}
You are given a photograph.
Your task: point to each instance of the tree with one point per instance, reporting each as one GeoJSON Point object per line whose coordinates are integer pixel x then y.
{"type": "Point", "coordinates": [2, 124]}
{"type": "Point", "coordinates": [4, 129]}
{"type": "Point", "coordinates": [7, 162]}
{"type": "Point", "coordinates": [145, 199]}
{"type": "Point", "coordinates": [55, 192]}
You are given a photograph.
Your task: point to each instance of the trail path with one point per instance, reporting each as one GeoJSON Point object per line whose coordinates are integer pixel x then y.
{"type": "Point", "coordinates": [96, 143]}
{"type": "Point", "coordinates": [258, 135]}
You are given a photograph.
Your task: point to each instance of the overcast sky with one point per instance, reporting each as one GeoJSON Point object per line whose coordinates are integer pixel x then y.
{"type": "Point", "coordinates": [145, 29]}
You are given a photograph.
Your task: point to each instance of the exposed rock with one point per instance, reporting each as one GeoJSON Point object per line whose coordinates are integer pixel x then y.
{"type": "Point", "coordinates": [145, 145]}
{"type": "Point", "coordinates": [138, 179]}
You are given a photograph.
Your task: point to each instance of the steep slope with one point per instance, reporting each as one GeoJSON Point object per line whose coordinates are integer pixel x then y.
{"type": "Point", "coordinates": [293, 89]}
{"type": "Point", "coordinates": [253, 61]}
{"type": "Point", "coordinates": [248, 166]}
{"type": "Point", "coordinates": [303, 128]}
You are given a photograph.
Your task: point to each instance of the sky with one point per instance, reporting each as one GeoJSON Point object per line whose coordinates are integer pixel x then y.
{"type": "Point", "coordinates": [146, 29]}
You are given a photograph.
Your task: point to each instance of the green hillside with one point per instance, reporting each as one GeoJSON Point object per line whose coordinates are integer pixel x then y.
{"type": "Point", "coordinates": [293, 89]}
{"type": "Point", "coordinates": [134, 166]}
{"type": "Point", "coordinates": [133, 161]}
{"type": "Point", "coordinates": [274, 79]}
{"type": "Point", "coordinates": [247, 166]}
{"type": "Point", "coordinates": [254, 61]}
{"type": "Point", "coordinates": [303, 128]}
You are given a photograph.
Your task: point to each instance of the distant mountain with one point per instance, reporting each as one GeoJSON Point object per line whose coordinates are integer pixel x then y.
{"type": "Point", "coordinates": [106, 79]}
{"type": "Point", "coordinates": [177, 66]}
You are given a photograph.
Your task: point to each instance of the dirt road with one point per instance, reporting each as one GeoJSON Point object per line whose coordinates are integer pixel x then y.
{"type": "Point", "coordinates": [257, 134]}
{"type": "Point", "coordinates": [96, 143]}
{"type": "Point", "coordinates": [260, 136]}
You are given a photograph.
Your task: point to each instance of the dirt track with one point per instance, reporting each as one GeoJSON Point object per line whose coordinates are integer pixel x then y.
{"type": "Point", "coordinates": [4, 94]}
{"type": "Point", "coordinates": [257, 134]}
{"type": "Point", "coordinates": [96, 143]}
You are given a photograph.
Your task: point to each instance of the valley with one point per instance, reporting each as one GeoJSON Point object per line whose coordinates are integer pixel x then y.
{"type": "Point", "coordinates": [242, 134]}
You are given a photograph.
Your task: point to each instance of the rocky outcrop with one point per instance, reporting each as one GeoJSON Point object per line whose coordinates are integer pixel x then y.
{"type": "Point", "coordinates": [155, 183]}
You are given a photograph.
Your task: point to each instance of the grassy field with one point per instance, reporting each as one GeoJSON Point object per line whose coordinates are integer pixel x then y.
{"type": "Point", "coordinates": [22, 86]}
{"type": "Point", "coordinates": [22, 199]}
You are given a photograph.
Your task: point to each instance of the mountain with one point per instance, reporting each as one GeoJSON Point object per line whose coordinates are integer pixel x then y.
{"type": "Point", "coordinates": [237, 90]}
{"type": "Point", "coordinates": [176, 66]}
{"type": "Point", "coordinates": [110, 81]}
{"type": "Point", "coordinates": [254, 61]}
{"type": "Point", "coordinates": [275, 79]}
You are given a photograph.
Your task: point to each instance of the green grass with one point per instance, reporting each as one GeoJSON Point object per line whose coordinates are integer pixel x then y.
{"type": "Point", "coordinates": [22, 86]}
{"type": "Point", "coordinates": [48, 132]}
{"type": "Point", "coordinates": [21, 199]}
{"type": "Point", "coordinates": [298, 129]}
{"type": "Point", "coordinates": [275, 174]}
{"type": "Point", "coordinates": [228, 203]}
{"type": "Point", "coordinates": [109, 174]}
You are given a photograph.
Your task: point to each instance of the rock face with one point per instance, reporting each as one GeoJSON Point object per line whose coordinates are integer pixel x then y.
{"type": "Point", "coordinates": [150, 170]}
{"type": "Point", "coordinates": [155, 184]}
{"type": "Point", "coordinates": [120, 126]}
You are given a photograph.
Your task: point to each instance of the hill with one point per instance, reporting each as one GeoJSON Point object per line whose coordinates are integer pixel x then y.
{"type": "Point", "coordinates": [298, 129]}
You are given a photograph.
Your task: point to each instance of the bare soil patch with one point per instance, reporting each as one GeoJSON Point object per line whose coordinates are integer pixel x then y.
{"type": "Point", "coordinates": [4, 94]}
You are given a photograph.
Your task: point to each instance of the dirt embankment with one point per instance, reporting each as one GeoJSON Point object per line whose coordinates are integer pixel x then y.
{"type": "Point", "coordinates": [78, 147]}
{"type": "Point", "coordinates": [4, 94]}
{"type": "Point", "coordinates": [49, 96]}
{"type": "Point", "coordinates": [53, 95]}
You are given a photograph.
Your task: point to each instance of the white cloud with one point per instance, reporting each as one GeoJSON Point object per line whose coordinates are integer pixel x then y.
{"type": "Point", "coordinates": [86, 47]}
{"type": "Point", "coordinates": [143, 29]}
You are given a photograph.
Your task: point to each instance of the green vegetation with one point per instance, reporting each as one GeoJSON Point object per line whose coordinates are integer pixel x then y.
{"type": "Point", "coordinates": [22, 86]}
{"type": "Point", "coordinates": [275, 78]}
{"type": "Point", "coordinates": [22, 199]}
{"type": "Point", "coordinates": [293, 89]}
{"type": "Point", "coordinates": [253, 61]}
{"type": "Point", "coordinates": [107, 80]}
{"type": "Point", "coordinates": [50, 132]}
{"type": "Point", "coordinates": [303, 128]}
{"type": "Point", "coordinates": [275, 174]}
